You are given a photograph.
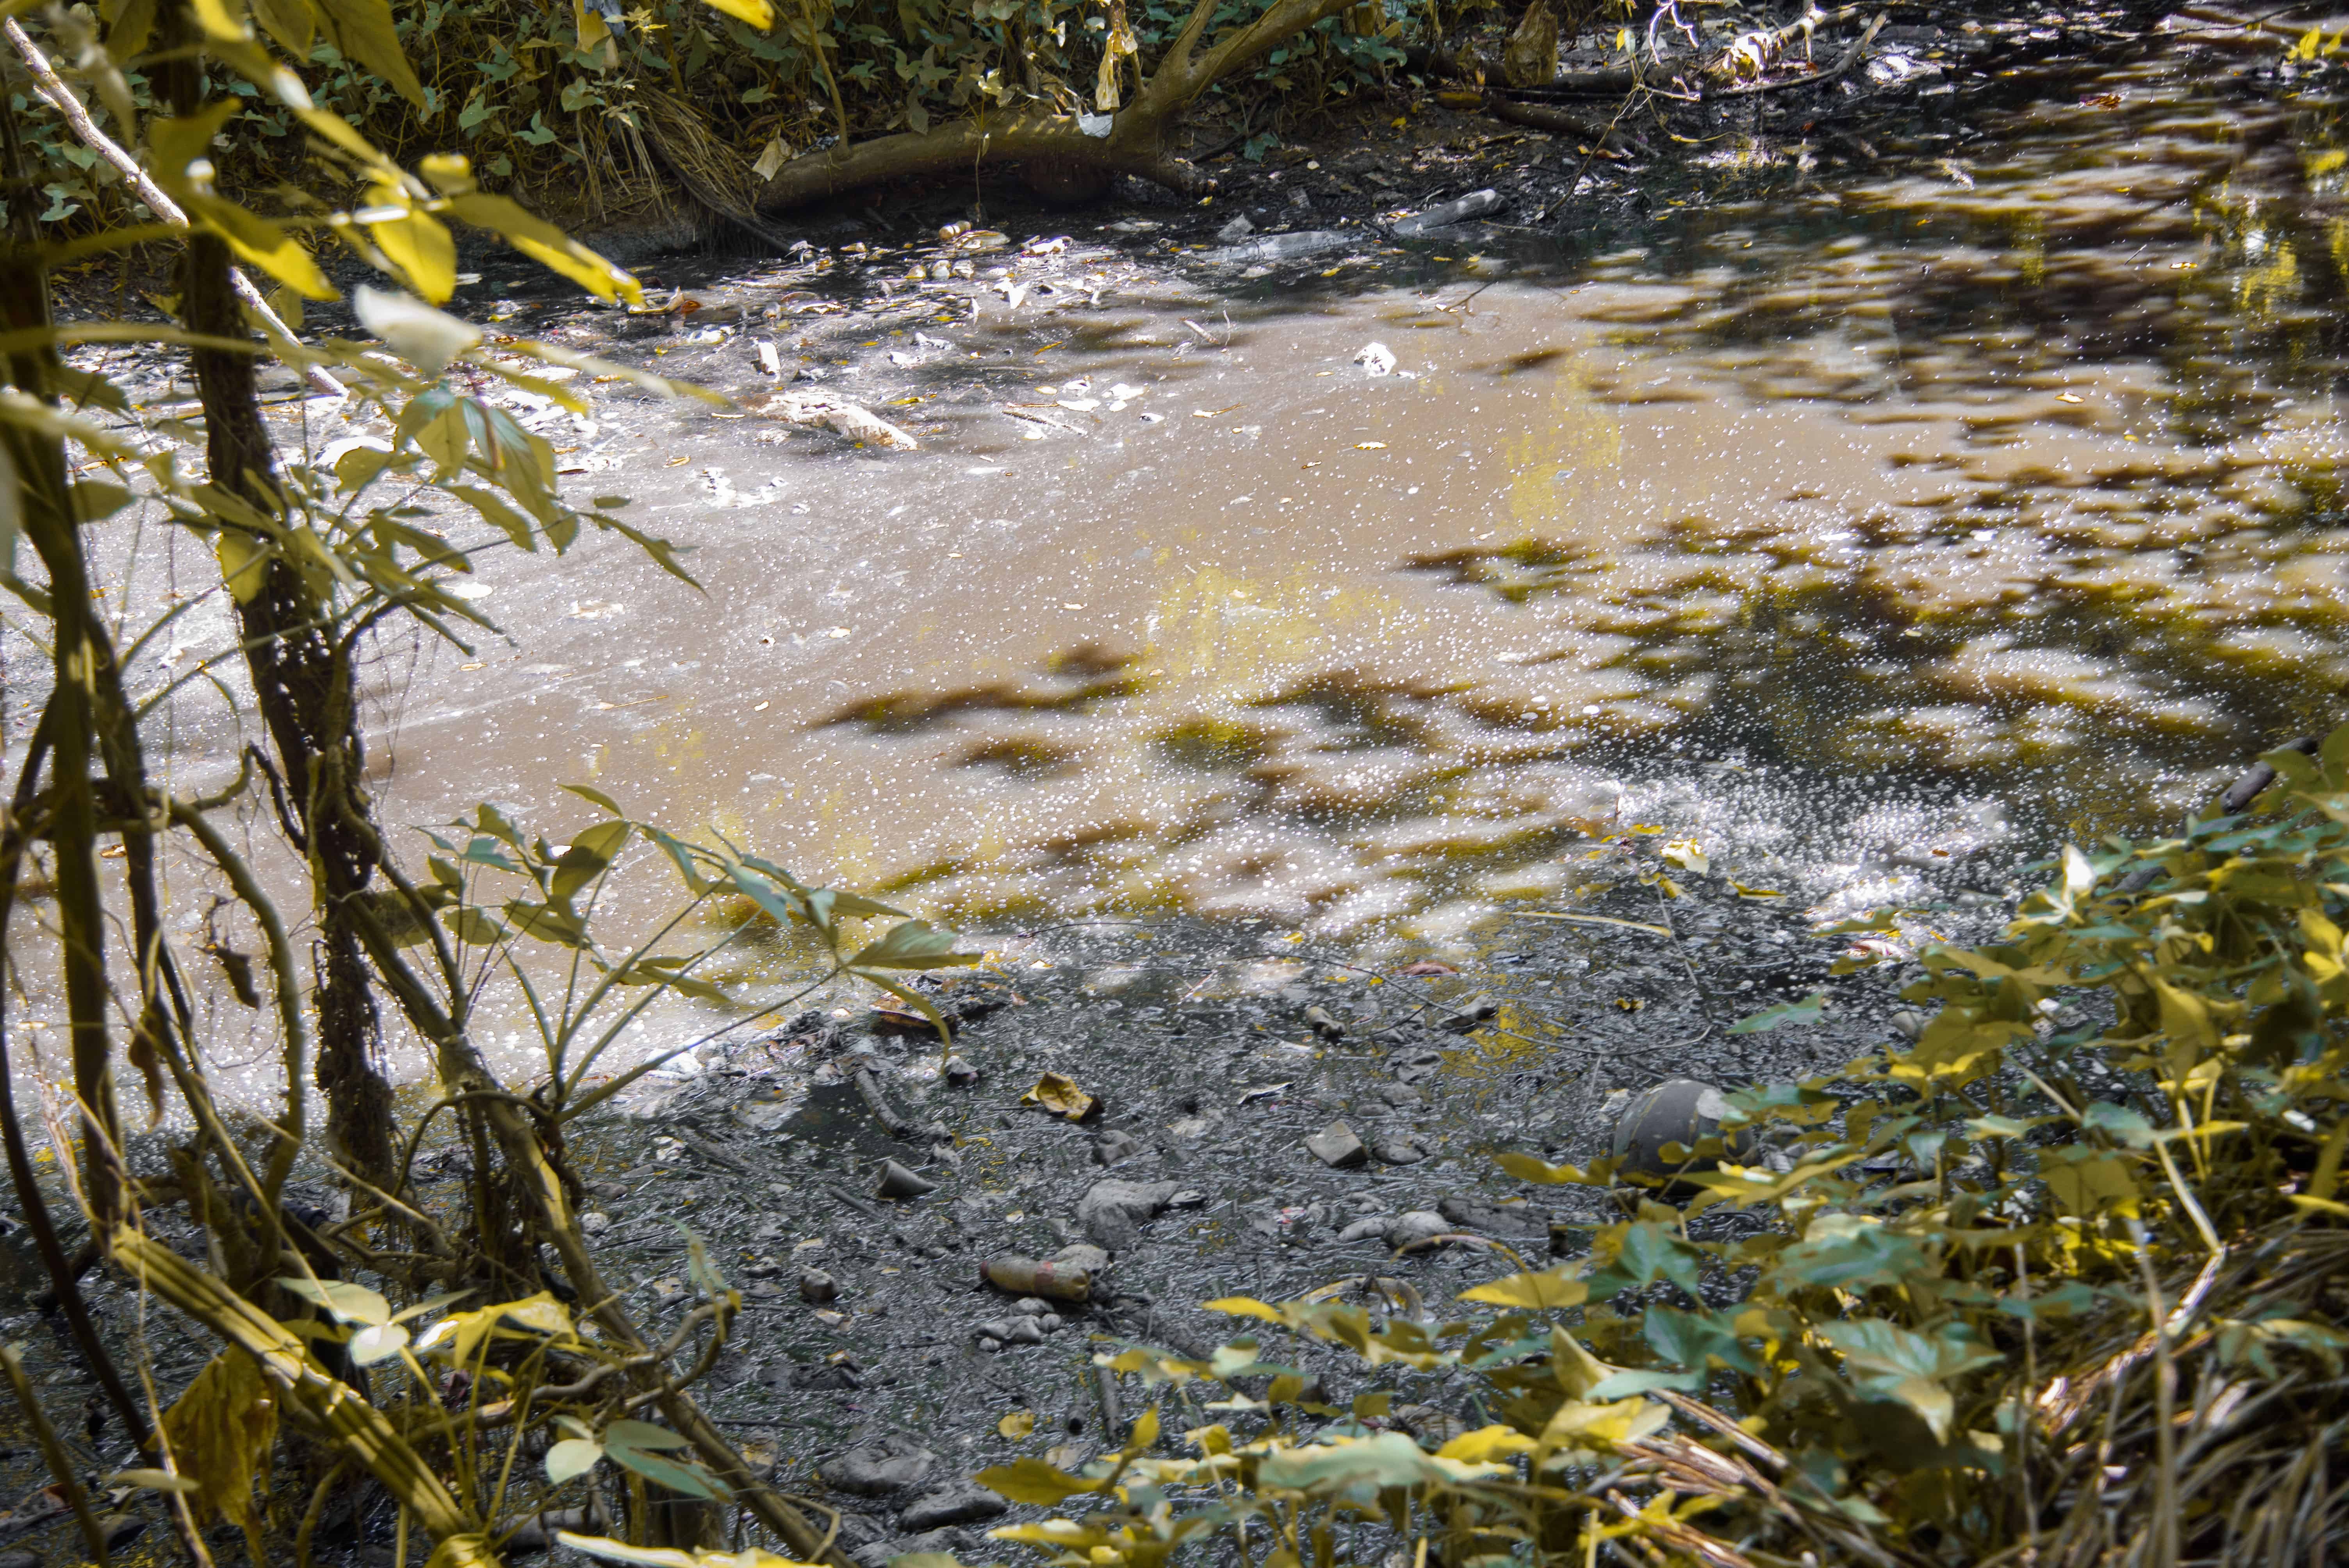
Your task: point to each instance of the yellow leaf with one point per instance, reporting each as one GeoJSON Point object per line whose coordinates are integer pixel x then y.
{"type": "Point", "coordinates": [1034, 1481]}
{"type": "Point", "coordinates": [1546, 1289]}
{"type": "Point", "coordinates": [422, 250]}
{"type": "Point", "coordinates": [1017, 1425]}
{"type": "Point", "coordinates": [758, 13]}
{"type": "Point", "coordinates": [1486, 1444]}
{"type": "Point", "coordinates": [1061, 1097]}
{"type": "Point", "coordinates": [362, 31]}
{"type": "Point", "coordinates": [221, 1430]}
{"type": "Point", "coordinates": [1244, 1306]}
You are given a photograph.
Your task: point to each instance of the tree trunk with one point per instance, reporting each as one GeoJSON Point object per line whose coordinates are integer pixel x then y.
{"type": "Point", "coordinates": [303, 682]}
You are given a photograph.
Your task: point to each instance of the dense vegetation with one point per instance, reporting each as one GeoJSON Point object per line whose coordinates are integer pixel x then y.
{"type": "Point", "coordinates": [2060, 1282]}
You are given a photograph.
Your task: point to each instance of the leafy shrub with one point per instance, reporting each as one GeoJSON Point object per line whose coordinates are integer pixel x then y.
{"type": "Point", "coordinates": [2061, 1283]}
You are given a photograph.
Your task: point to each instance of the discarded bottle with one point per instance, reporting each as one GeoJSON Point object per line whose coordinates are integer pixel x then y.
{"type": "Point", "coordinates": [1026, 1276]}
{"type": "Point", "coordinates": [1285, 247]}
{"type": "Point", "coordinates": [1672, 1116]}
{"type": "Point", "coordinates": [1475, 204]}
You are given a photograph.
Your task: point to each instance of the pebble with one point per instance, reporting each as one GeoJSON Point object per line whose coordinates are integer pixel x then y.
{"type": "Point", "coordinates": [594, 1223]}
{"type": "Point", "coordinates": [1321, 1022]}
{"type": "Point", "coordinates": [1366, 1228]}
{"type": "Point", "coordinates": [1113, 1145]}
{"type": "Point", "coordinates": [957, 1503]}
{"type": "Point", "coordinates": [960, 1073]}
{"type": "Point", "coordinates": [815, 1286]}
{"type": "Point", "coordinates": [1403, 1151]}
{"type": "Point", "coordinates": [1337, 1147]}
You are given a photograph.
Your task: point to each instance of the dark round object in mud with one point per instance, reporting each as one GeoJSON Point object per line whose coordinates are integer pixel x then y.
{"type": "Point", "coordinates": [1065, 182]}
{"type": "Point", "coordinates": [1679, 1112]}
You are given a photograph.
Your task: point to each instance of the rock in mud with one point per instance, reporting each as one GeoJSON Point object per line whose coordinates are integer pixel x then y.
{"type": "Point", "coordinates": [1084, 1257]}
{"type": "Point", "coordinates": [817, 1286]}
{"type": "Point", "coordinates": [960, 1073]}
{"type": "Point", "coordinates": [1370, 1227]}
{"type": "Point", "coordinates": [1476, 1010]}
{"type": "Point", "coordinates": [1419, 1225]}
{"type": "Point", "coordinates": [1337, 1147]}
{"type": "Point", "coordinates": [1492, 1220]}
{"type": "Point", "coordinates": [1403, 1149]}
{"type": "Point", "coordinates": [1114, 1145]}
{"type": "Point", "coordinates": [1113, 1212]}
{"type": "Point", "coordinates": [882, 1465]}
{"type": "Point", "coordinates": [957, 1503]}
{"type": "Point", "coordinates": [1324, 1024]}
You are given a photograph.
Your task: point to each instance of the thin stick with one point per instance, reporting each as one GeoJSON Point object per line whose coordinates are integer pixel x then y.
{"type": "Point", "coordinates": [1850, 58]}
{"type": "Point", "coordinates": [52, 86]}
{"type": "Point", "coordinates": [60, 1462]}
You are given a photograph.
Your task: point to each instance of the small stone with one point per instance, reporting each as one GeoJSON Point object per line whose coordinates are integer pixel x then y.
{"type": "Point", "coordinates": [988, 1343]}
{"type": "Point", "coordinates": [1365, 1229]}
{"type": "Point", "coordinates": [1187, 1199]}
{"type": "Point", "coordinates": [1476, 1010]}
{"type": "Point", "coordinates": [1320, 1021]}
{"type": "Point", "coordinates": [815, 1286]}
{"type": "Point", "coordinates": [1417, 1067]}
{"type": "Point", "coordinates": [1405, 1150]}
{"type": "Point", "coordinates": [1402, 1096]}
{"type": "Point", "coordinates": [1235, 231]}
{"type": "Point", "coordinates": [1082, 1255]}
{"type": "Point", "coordinates": [594, 1223]}
{"type": "Point", "coordinates": [1337, 1147]}
{"type": "Point", "coordinates": [1113, 1212]}
{"type": "Point", "coordinates": [960, 1073]}
{"type": "Point", "coordinates": [1050, 1322]}
{"type": "Point", "coordinates": [887, 1463]}
{"type": "Point", "coordinates": [1418, 1225]}
{"type": "Point", "coordinates": [957, 1503]}
{"type": "Point", "coordinates": [1113, 1145]}
{"type": "Point", "coordinates": [1030, 1306]}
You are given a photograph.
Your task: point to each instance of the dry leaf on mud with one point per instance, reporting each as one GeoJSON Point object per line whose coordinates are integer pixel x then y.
{"type": "Point", "coordinates": [1061, 1097]}
{"type": "Point", "coordinates": [1017, 1425]}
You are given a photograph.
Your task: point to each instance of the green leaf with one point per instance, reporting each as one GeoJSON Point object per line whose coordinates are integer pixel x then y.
{"type": "Point", "coordinates": [915, 944]}
{"type": "Point", "coordinates": [677, 1475]}
{"type": "Point", "coordinates": [589, 793]}
{"type": "Point", "coordinates": [1806, 1011]}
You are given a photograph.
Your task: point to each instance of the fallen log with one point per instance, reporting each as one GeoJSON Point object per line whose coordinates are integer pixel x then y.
{"type": "Point", "coordinates": [1127, 140]}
